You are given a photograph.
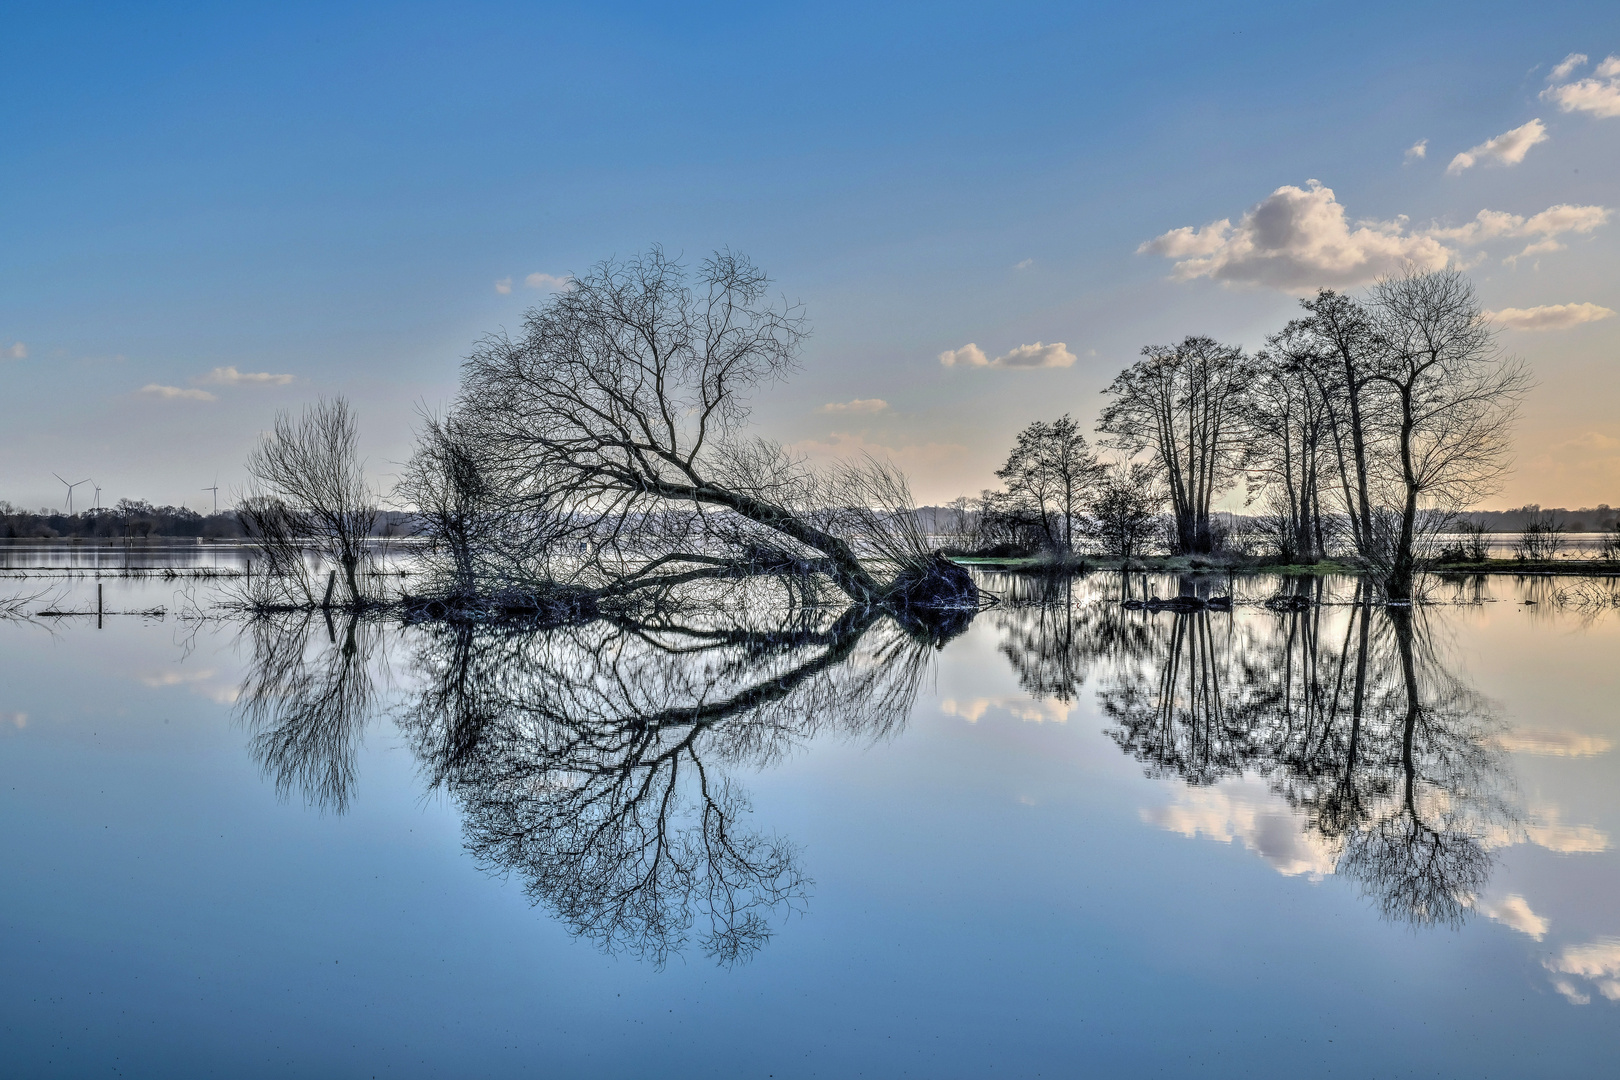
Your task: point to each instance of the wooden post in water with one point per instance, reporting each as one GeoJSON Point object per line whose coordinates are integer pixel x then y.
{"type": "Point", "coordinates": [331, 583]}
{"type": "Point", "coordinates": [98, 605]}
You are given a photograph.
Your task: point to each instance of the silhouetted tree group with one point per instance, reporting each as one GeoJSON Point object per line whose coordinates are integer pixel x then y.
{"type": "Point", "coordinates": [1362, 426]}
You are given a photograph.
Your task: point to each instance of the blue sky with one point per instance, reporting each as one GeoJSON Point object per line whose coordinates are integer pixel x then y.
{"type": "Point", "coordinates": [332, 197]}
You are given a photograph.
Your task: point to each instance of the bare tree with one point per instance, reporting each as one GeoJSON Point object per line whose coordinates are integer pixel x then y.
{"type": "Point", "coordinates": [1051, 466]}
{"type": "Point", "coordinates": [310, 484]}
{"type": "Point", "coordinates": [615, 423]}
{"type": "Point", "coordinates": [1181, 405]}
{"type": "Point", "coordinates": [1346, 344]}
{"type": "Point", "coordinates": [1289, 421]}
{"type": "Point", "coordinates": [1454, 396]}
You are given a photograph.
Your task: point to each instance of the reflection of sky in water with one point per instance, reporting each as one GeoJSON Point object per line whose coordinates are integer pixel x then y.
{"type": "Point", "coordinates": [998, 889]}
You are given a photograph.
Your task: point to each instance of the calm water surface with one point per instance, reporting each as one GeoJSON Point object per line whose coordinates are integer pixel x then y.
{"type": "Point", "coordinates": [1070, 840]}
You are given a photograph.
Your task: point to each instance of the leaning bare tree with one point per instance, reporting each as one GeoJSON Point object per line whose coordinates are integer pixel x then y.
{"type": "Point", "coordinates": [613, 428]}
{"type": "Point", "coordinates": [309, 487]}
{"type": "Point", "coordinates": [1453, 397]}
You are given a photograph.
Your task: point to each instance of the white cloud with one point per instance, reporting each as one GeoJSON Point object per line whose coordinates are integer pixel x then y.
{"type": "Point", "coordinates": [15, 351]}
{"type": "Point", "coordinates": [1245, 811]}
{"type": "Point", "coordinates": [1025, 265]}
{"type": "Point", "coordinates": [969, 355]}
{"type": "Point", "coordinates": [1507, 148]}
{"type": "Point", "coordinates": [1566, 67]}
{"type": "Point", "coordinates": [1418, 150]}
{"type": "Point", "coordinates": [503, 286]}
{"type": "Point", "coordinates": [1038, 355]}
{"type": "Point", "coordinates": [1299, 239]}
{"type": "Point", "coordinates": [1555, 743]}
{"type": "Point", "coordinates": [859, 405]}
{"type": "Point", "coordinates": [549, 282]}
{"type": "Point", "coordinates": [1514, 912]}
{"type": "Point", "coordinates": [229, 376]}
{"type": "Point", "coordinates": [1296, 239]}
{"type": "Point", "coordinates": [1550, 316]}
{"type": "Point", "coordinates": [1025, 357]}
{"type": "Point", "coordinates": [176, 393]}
{"type": "Point", "coordinates": [1598, 95]}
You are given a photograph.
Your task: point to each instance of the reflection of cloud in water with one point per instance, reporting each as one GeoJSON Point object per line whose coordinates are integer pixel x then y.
{"type": "Point", "coordinates": [1544, 827]}
{"type": "Point", "coordinates": [1554, 743]}
{"type": "Point", "coordinates": [177, 678]}
{"type": "Point", "coordinates": [1513, 911]}
{"type": "Point", "coordinates": [1546, 830]}
{"type": "Point", "coordinates": [1245, 810]}
{"type": "Point", "coordinates": [220, 694]}
{"type": "Point", "coordinates": [1597, 961]}
{"type": "Point", "coordinates": [1034, 710]}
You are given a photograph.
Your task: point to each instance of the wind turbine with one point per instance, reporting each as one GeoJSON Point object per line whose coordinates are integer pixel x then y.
{"type": "Point", "coordinates": [98, 493]}
{"type": "Point", "coordinates": [215, 490]}
{"type": "Point", "coordinates": [70, 488]}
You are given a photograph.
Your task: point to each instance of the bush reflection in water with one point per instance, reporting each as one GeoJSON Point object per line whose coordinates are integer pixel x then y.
{"type": "Point", "coordinates": [596, 760]}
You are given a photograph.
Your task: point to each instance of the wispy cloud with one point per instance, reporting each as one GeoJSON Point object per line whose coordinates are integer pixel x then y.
{"type": "Point", "coordinates": [15, 351]}
{"type": "Point", "coordinates": [1550, 316]}
{"type": "Point", "coordinates": [923, 457]}
{"type": "Point", "coordinates": [1024, 357]}
{"type": "Point", "coordinates": [1418, 150]}
{"type": "Point", "coordinates": [859, 405]}
{"type": "Point", "coordinates": [549, 282]}
{"type": "Point", "coordinates": [229, 376]}
{"type": "Point", "coordinates": [1299, 239]}
{"type": "Point", "coordinates": [176, 393]}
{"type": "Point", "coordinates": [1598, 95]}
{"type": "Point", "coordinates": [1025, 265]}
{"type": "Point", "coordinates": [503, 286]}
{"type": "Point", "coordinates": [1507, 148]}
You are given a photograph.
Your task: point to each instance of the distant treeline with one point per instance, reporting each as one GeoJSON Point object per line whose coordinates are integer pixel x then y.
{"type": "Point", "coordinates": [946, 520]}
{"type": "Point", "coordinates": [1599, 518]}
{"type": "Point", "coordinates": [134, 519]}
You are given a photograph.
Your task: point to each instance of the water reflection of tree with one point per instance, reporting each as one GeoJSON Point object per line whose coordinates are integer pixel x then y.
{"type": "Point", "coordinates": [596, 761]}
{"type": "Point", "coordinates": [1351, 715]}
{"type": "Point", "coordinates": [1052, 638]}
{"type": "Point", "coordinates": [306, 701]}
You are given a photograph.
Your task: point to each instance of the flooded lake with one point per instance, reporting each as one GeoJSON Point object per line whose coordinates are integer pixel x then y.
{"type": "Point", "coordinates": [1307, 839]}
